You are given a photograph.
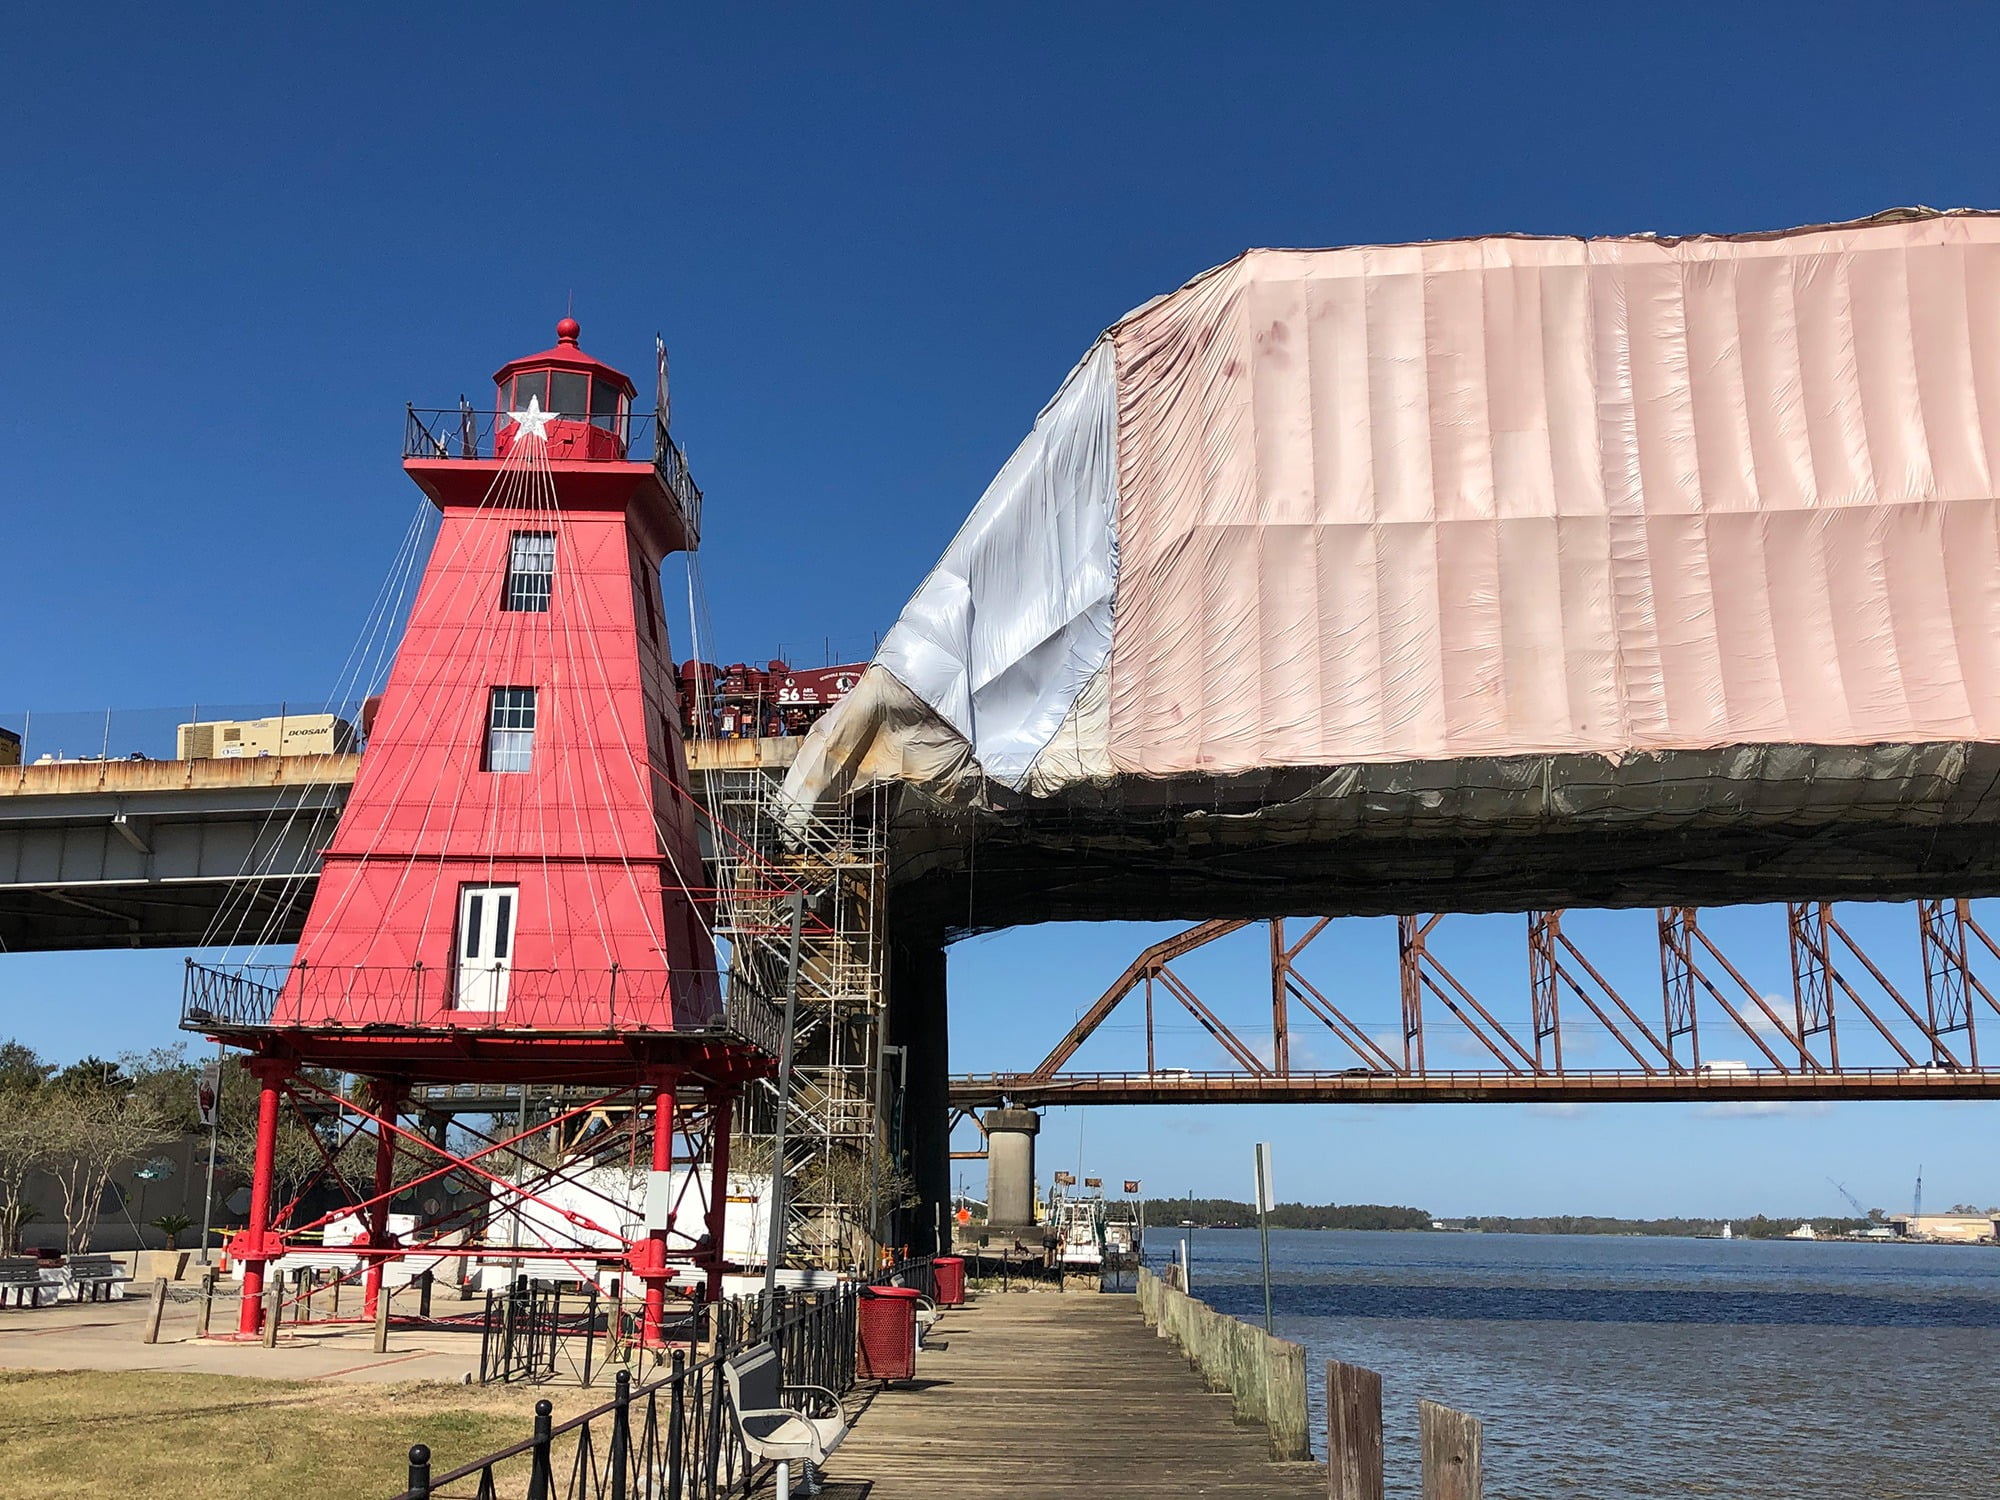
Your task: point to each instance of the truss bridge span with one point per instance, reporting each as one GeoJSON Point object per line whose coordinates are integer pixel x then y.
{"type": "Point", "coordinates": [1870, 1014]}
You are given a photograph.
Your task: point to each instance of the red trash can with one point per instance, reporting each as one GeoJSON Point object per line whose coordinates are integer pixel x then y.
{"type": "Point", "coordinates": [950, 1272]}
{"type": "Point", "coordinates": [888, 1341]}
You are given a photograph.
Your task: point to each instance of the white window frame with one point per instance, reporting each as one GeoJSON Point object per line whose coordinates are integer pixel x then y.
{"type": "Point", "coordinates": [511, 715]}
{"type": "Point", "coordinates": [531, 572]}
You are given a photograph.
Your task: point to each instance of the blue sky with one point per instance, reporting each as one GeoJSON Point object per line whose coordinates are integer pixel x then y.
{"type": "Point", "coordinates": [240, 239]}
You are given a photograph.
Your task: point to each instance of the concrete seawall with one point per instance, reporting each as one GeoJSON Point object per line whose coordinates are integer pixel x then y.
{"type": "Point", "coordinates": [1265, 1376]}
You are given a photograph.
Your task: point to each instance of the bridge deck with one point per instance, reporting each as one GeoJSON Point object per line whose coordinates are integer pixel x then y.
{"type": "Point", "coordinates": [1356, 1086]}
{"type": "Point", "coordinates": [154, 853]}
{"type": "Point", "coordinates": [1047, 1394]}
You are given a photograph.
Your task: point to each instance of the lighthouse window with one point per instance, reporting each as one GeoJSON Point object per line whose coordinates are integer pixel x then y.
{"type": "Point", "coordinates": [604, 405]}
{"type": "Point", "coordinates": [531, 571]}
{"type": "Point", "coordinates": [510, 729]}
{"type": "Point", "coordinates": [568, 393]}
{"type": "Point", "coordinates": [527, 387]}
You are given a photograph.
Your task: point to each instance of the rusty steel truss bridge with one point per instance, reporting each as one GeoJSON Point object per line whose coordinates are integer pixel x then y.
{"type": "Point", "coordinates": [1919, 1045]}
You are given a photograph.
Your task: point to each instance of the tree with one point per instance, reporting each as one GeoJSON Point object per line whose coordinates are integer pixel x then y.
{"type": "Point", "coordinates": [93, 1073]}
{"type": "Point", "coordinates": [95, 1122]}
{"type": "Point", "coordinates": [24, 1135]}
{"type": "Point", "coordinates": [20, 1068]}
{"type": "Point", "coordinates": [25, 1142]}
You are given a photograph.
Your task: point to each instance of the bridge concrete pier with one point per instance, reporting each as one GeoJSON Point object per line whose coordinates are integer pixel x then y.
{"type": "Point", "coordinates": [918, 1015]}
{"type": "Point", "coordinates": [1010, 1165]}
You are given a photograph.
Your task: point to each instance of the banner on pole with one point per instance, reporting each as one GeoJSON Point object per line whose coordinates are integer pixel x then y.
{"type": "Point", "coordinates": [1266, 1194]}
{"type": "Point", "coordinates": [208, 1091]}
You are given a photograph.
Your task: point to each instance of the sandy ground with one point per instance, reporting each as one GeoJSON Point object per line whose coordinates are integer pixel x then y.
{"type": "Point", "coordinates": [108, 1336]}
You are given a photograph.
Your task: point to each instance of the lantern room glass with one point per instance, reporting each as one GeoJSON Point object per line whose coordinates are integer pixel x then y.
{"type": "Point", "coordinates": [571, 395]}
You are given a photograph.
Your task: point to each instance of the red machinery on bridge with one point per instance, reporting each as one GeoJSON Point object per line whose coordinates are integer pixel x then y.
{"type": "Point", "coordinates": [745, 702]}
{"type": "Point", "coordinates": [512, 894]}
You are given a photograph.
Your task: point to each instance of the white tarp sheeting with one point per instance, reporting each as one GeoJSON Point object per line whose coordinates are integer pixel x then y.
{"type": "Point", "coordinates": [1481, 498]}
{"type": "Point", "coordinates": [1016, 616]}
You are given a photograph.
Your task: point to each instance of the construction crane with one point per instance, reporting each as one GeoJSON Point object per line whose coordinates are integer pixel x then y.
{"type": "Point", "coordinates": [1852, 1201]}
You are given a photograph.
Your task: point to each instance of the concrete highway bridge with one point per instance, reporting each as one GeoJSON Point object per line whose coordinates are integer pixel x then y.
{"type": "Point", "coordinates": [187, 853]}
{"type": "Point", "coordinates": [215, 852]}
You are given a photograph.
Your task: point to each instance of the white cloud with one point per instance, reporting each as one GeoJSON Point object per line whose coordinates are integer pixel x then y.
{"type": "Point", "coordinates": [1761, 1023]}
{"type": "Point", "coordinates": [1759, 1109]}
{"type": "Point", "coordinates": [1559, 1111]}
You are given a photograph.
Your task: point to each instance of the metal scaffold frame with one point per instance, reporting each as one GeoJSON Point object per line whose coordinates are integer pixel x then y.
{"type": "Point", "coordinates": [843, 1155]}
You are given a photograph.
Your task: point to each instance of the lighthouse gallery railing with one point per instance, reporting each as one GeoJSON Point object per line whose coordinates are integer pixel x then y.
{"type": "Point", "coordinates": [365, 997]}
{"type": "Point", "coordinates": [462, 432]}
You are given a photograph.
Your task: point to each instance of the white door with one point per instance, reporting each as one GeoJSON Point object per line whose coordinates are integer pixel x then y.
{"type": "Point", "coordinates": [485, 944]}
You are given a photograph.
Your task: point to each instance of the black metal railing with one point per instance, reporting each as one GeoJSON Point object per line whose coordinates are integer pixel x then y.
{"type": "Point", "coordinates": [673, 1437]}
{"type": "Point", "coordinates": [919, 1273]}
{"type": "Point", "coordinates": [409, 997]}
{"type": "Point", "coordinates": [227, 999]}
{"type": "Point", "coordinates": [461, 432]}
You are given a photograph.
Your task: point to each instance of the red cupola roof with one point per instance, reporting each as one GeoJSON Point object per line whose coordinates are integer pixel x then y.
{"type": "Point", "coordinates": [566, 355]}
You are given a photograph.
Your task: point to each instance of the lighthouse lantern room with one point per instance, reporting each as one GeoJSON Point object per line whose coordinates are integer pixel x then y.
{"type": "Point", "coordinates": [591, 402]}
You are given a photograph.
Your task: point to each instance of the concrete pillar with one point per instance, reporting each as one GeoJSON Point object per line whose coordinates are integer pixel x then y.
{"type": "Point", "coordinates": [1010, 1165]}
{"type": "Point", "coordinates": [918, 1023]}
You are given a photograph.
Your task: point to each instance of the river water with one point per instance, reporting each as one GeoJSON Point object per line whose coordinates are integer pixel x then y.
{"type": "Point", "coordinates": [1610, 1366]}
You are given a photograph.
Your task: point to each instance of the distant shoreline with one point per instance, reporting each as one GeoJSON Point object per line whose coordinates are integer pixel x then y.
{"type": "Point", "coordinates": [1772, 1230]}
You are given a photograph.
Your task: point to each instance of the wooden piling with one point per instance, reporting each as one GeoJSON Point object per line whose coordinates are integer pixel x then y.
{"type": "Point", "coordinates": [1353, 1432]}
{"type": "Point", "coordinates": [207, 1301]}
{"type": "Point", "coordinates": [382, 1320]}
{"type": "Point", "coordinates": [158, 1308]}
{"type": "Point", "coordinates": [1450, 1441]}
{"type": "Point", "coordinates": [274, 1301]}
{"type": "Point", "coordinates": [1285, 1398]}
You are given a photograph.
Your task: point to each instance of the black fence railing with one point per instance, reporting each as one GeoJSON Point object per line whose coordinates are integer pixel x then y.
{"type": "Point", "coordinates": [918, 1273]}
{"type": "Point", "coordinates": [672, 1437]}
{"type": "Point", "coordinates": [462, 432]}
{"type": "Point", "coordinates": [256, 997]}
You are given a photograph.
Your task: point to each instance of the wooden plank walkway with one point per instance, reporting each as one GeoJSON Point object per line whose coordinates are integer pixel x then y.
{"type": "Point", "coordinates": [1039, 1393]}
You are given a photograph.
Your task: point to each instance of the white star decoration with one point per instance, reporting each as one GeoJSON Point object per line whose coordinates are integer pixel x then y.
{"type": "Point", "coordinates": [533, 422]}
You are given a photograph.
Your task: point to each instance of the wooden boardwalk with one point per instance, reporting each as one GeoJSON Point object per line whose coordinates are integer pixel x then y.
{"type": "Point", "coordinates": [1044, 1394]}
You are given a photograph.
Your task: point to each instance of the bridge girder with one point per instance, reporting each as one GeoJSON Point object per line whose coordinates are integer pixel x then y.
{"type": "Point", "coordinates": [159, 854]}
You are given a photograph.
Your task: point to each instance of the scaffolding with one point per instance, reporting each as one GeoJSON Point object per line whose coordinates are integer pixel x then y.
{"type": "Point", "coordinates": [844, 1156]}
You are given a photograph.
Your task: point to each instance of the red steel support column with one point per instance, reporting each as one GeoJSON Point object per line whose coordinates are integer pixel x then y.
{"type": "Point", "coordinates": [1281, 1031]}
{"type": "Point", "coordinates": [253, 1246]}
{"type": "Point", "coordinates": [1410, 954]}
{"type": "Point", "coordinates": [387, 1098]}
{"type": "Point", "coordinates": [654, 1270]}
{"type": "Point", "coordinates": [720, 1114]}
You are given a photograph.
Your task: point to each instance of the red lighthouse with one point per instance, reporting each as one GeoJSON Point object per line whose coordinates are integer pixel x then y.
{"type": "Point", "coordinates": [520, 827]}
{"type": "Point", "coordinates": [513, 894]}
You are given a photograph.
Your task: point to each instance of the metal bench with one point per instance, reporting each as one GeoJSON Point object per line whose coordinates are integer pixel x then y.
{"type": "Point", "coordinates": [772, 1430]}
{"type": "Point", "coordinates": [94, 1276]}
{"type": "Point", "coordinates": [21, 1277]}
{"type": "Point", "coordinates": [928, 1312]}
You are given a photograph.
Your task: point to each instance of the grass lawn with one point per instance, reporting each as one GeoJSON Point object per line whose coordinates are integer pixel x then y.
{"type": "Point", "coordinates": [137, 1435]}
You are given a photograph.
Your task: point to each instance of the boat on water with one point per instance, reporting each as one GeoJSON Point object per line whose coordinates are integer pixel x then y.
{"type": "Point", "coordinates": [1076, 1225]}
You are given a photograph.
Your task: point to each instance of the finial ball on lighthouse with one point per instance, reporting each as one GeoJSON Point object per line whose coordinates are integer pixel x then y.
{"type": "Point", "coordinates": [567, 330]}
